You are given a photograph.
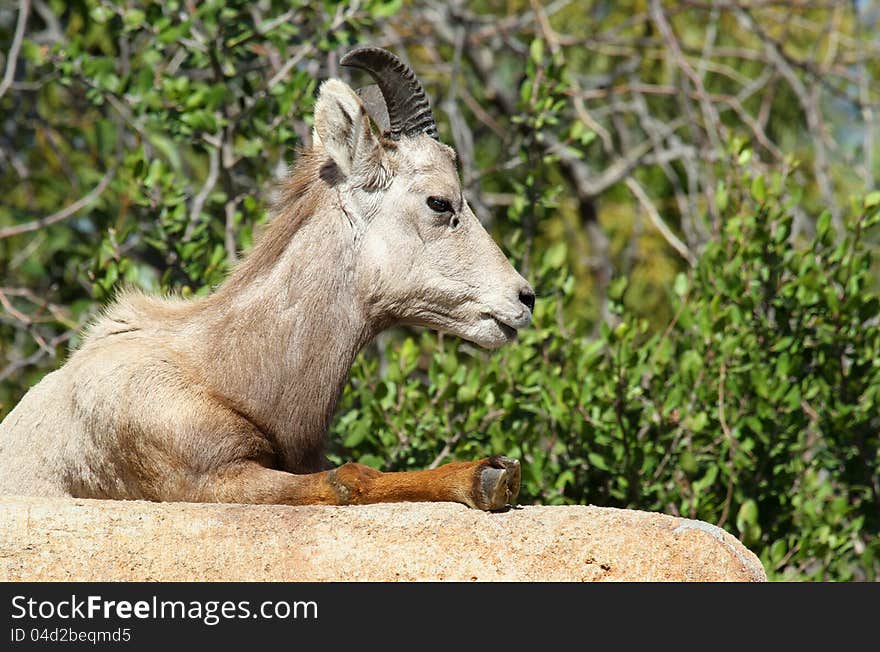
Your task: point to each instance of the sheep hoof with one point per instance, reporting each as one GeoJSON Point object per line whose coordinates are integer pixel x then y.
{"type": "Point", "coordinates": [498, 484]}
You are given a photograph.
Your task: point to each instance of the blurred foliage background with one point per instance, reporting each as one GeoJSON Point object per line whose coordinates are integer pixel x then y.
{"type": "Point", "coordinates": [690, 186]}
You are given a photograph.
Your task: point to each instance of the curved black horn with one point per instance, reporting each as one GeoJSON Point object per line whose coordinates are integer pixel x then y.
{"type": "Point", "coordinates": [409, 111]}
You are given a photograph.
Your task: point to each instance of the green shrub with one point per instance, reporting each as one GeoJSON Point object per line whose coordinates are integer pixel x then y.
{"type": "Point", "coordinates": [755, 408]}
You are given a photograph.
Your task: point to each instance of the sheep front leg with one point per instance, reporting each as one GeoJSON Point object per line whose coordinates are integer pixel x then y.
{"type": "Point", "coordinates": [487, 484]}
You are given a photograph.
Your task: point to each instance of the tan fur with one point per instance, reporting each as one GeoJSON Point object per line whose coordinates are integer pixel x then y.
{"type": "Point", "coordinates": [229, 397]}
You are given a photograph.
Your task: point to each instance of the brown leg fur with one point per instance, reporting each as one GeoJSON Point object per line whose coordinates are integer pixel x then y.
{"type": "Point", "coordinates": [487, 484]}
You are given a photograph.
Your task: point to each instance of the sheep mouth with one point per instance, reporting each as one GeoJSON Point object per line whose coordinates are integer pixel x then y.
{"type": "Point", "coordinates": [510, 332]}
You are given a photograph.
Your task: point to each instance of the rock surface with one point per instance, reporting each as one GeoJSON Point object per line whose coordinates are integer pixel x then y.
{"type": "Point", "coordinates": [51, 539]}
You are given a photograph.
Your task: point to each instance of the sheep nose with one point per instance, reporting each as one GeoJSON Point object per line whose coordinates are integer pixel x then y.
{"type": "Point", "coordinates": [527, 298]}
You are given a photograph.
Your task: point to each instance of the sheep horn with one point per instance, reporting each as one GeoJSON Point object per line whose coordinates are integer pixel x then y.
{"type": "Point", "coordinates": [409, 111]}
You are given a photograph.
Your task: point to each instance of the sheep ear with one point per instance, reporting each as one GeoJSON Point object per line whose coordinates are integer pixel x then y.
{"type": "Point", "coordinates": [343, 129]}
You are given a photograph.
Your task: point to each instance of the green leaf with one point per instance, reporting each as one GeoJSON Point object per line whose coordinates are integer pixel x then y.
{"type": "Point", "coordinates": [598, 461]}
{"type": "Point", "coordinates": [555, 255]}
{"type": "Point", "coordinates": [133, 18]}
{"type": "Point", "coordinates": [823, 224]}
{"type": "Point", "coordinates": [680, 285]}
{"type": "Point", "coordinates": [758, 190]}
{"type": "Point", "coordinates": [373, 461]}
{"type": "Point", "coordinates": [747, 515]}
{"type": "Point", "coordinates": [778, 550]}
{"type": "Point", "coordinates": [721, 196]}
{"type": "Point", "coordinates": [101, 14]}
{"type": "Point", "coordinates": [536, 51]}
{"type": "Point", "coordinates": [409, 353]}
{"type": "Point", "coordinates": [617, 288]}
{"type": "Point", "coordinates": [872, 199]}
{"type": "Point", "coordinates": [387, 8]}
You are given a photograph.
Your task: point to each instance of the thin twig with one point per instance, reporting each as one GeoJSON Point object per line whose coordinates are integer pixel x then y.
{"type": "Point", "coordinates": [447, 448]}
{"type": "Point", "coordinates": [7, 305]}
{"type": "Point", "coordinates": [24, 10]}
{"type": "Point", "coordinates": [64, 213]}
{"type": "Point", "coordinates": [199, 200]}
{"type": "Point", "coordinates": [673, 240]}
{"type": "Point", "coordinates": [35, 357]}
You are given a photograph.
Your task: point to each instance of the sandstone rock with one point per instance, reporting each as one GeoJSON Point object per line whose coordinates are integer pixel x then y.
{"type": "Point", "coordinates": [45, 539]}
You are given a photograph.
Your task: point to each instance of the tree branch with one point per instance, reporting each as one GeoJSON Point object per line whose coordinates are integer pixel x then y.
{"type": "Point", "coordinates": [658, 222]}
{"type": "Point", "coordinates": [24, 10]}
{"type": "Point", "coordinates": [64, 213]}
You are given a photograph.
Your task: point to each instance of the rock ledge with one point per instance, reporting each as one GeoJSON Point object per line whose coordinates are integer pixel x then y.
{"type": "Point", "coordinates": [52, 539]}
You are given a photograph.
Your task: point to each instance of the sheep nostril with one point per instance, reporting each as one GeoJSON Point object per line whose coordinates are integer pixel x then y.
{"type": "Point", "coordinates": [527, 298]}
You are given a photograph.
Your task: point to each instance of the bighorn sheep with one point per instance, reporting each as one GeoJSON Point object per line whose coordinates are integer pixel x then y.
{"type": "Point", "coordinates": [228, 398]}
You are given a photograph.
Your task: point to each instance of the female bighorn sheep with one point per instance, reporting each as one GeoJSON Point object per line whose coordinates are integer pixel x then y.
{"type": "Point", "coordinates": [228, 398]}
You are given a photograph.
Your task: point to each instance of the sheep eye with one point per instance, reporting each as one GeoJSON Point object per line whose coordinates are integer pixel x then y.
{"type": "Point", "coordinates": [439, 205]}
